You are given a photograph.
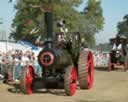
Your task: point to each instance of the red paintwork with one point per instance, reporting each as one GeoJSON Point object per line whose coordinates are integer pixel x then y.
{"type": "Point", "coordinates": [51, 58]}
{"type": "Point", "coordinates": [29, 79]}
{"type": "Point", "coordinates": [73, 81]}
{"type": "Point", "coordinates": [90, 69]}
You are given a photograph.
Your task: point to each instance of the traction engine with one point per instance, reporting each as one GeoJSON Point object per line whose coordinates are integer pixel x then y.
{"type": "Point", "coordinates": [118, 56]}
{"type": "Point", "coordinates": [65, 64]}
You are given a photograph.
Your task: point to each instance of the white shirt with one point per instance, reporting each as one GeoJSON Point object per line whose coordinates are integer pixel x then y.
{"type": "Point", "coordinates": [24, 60]}
{"type": "Point", "coordinates": [117, 47]}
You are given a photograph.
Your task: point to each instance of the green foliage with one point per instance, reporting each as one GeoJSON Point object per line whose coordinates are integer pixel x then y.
{"type": "Point", "coordinates": [94, 20]}
{"type": "Point", "coordinates": [29, 20]}
{"type": "Point", "coordinates": [123, 26]}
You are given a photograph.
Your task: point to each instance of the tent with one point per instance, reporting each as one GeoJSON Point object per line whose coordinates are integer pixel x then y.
{"type": "Point", "coordinates": [6, 46]}
{"type": "Point", "coordinates": [28, 44]}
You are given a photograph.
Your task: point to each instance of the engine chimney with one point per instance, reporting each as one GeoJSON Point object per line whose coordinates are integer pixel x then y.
{"type": "Point", "coordinates": [48, 18]}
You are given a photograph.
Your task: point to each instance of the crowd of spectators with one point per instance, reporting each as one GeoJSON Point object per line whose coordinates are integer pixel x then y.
{"type": "Point", "coordinates": [14, 60]}
{"type": "Point", "coordinates": [101, 58]}
{"type": "Point", "coordinates": [17, 56]}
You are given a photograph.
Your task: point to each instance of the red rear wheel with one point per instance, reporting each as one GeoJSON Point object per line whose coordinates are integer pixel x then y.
{"type": "Point", "coordinates": [27, 77]}
{"type": "Point", "coordinates": [126, 64]}
{"type": "Point", "coordinates": [109, 64]}
{"type": "Point", "coordinates": [86, 70]}
{"type": "Point", "coordinates": [70, 81]}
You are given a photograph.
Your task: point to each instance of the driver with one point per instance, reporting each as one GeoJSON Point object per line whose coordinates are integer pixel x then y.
{"type": "Point", "coordinates": [118, 44]}
{"type": "Point", "coordinates": [63, 30]}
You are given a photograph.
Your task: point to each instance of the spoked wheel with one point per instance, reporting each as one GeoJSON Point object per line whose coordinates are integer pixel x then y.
{"type": "Point", "coordinates": [70, 81]}
{"type": "Point", "coordinates": [26, 80]}
{"type": "Point", "coordinates": [86, 70]}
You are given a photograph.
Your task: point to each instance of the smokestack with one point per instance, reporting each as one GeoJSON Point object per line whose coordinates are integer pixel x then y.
{"type": "Point", "coordinates": [48, 18]}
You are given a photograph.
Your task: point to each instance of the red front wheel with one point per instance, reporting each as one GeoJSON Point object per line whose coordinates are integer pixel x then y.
{"type": "Point", "coordinates": [26, 81]}
{"type": "Point", "coordinates": [70, 81]}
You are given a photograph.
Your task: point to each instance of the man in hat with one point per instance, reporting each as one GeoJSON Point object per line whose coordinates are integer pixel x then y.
{"type": "Point", "coordinates": [119, 44]}
{"type": "Point", "coordinates": [63, 30]}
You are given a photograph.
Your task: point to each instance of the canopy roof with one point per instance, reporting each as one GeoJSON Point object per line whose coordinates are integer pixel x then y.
{"type": "Point", "coordinates": [122, 38]}
{"type": "Point", "coordinates": [6, 46]}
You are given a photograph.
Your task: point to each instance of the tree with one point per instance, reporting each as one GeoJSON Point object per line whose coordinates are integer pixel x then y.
{"type": "Point", "coordinates": [94, 20]}
{"type": "Point", "coordinates": [29, 18]}
{"type": "Point", "coordinates": [123, 26]}
{"type": "Point", "coordinates": [26, 20]}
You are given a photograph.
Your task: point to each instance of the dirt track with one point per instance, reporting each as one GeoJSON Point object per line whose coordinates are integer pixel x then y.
{"type": "Point", "coordinates": [108, 87]}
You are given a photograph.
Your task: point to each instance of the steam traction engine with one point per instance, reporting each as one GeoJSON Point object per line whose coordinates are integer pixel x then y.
{"type": "Point", "coordinates": [119, 53]}
{"type": "Point", "coordinates": [64, 64]}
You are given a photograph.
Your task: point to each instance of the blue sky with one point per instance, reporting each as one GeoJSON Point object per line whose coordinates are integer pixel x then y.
{"type": "Point", "coordinates": [113, 11]}
{"type": "Point", "coordinates": [7, 13]}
